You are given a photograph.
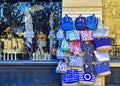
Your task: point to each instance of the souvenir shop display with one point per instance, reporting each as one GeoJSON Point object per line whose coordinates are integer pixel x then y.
{"type": "Point", "coordinates": [83, 38]}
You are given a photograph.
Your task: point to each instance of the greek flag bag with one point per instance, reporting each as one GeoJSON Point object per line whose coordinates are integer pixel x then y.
{"type": "Point", "coordinates": [75, 61]}
{"type": "Point", "coordinates": [60, 54]}
{"type": "Point", "coordinates": [61, 67]}
{"type": "Point", "coordinates": [65, 46]}
{"type": "Point", "coordinates": [102, 57]}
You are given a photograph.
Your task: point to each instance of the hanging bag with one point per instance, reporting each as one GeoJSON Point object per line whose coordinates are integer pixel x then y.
{"type": "Point", "coordinates": [62, 67]}
{"type": "Point", "coordinates": [89, 68]}
{"type": "Point", "coordinates": [65, 45]}
{"type": "Point", "coordinates": [101, 32]}
{"type": "Point", "coordinates": [86, 35]}
{"type": "Point", "coordinates": [71, 76]}
{"type": "Point", "coordinates": [80, 23]}
{"type": "Point", "coordinates": [102, 57]}
{"type": "Point", "coordinates": [60, 35]}
{"type": "Point", "coordinates": [75, 61]}
{"type": "Point", "coordinates": [92, 22]}
{"type": "Point", "coordinates": [75, 47]}
{"type": "Point", "coordinates": [74, 35]}
{"type": "Point", "coordinates": [86, 78]}
{"type": "Point", "coordinates": [66, 23]}
{"type": "Point", "coordinates": [102, 69]}
{"type": "Point", "coordinates": [60, 54]}
{"type": "Point", "coordinates": [102, 44]}
{"type": "Point", "coordinates": [87, 46]}
{"type": "Point", "coordinates": [89, 57]}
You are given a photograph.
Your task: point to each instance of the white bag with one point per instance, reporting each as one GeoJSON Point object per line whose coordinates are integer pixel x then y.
{"type": "Point", "coordinates": [101, 32]}
{"type": "Point", "coordinates": [102, 57]}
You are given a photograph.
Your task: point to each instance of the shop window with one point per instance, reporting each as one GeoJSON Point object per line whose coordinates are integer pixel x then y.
{"type": "Point", "coordinates": [25, 29]}
{"type": "Point", "coordinates": [113, 79]}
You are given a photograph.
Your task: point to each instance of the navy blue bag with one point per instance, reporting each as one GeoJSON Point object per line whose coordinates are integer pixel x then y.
{"type": "Point", "coordinates": [89, 68]}
{"type": "Point", "coordinates": [71, 76]}
{"type": "Point", "coordinates": [102, 69]}
{"type": "Point", "coordinates": [92, 22]}
{"type": "Point", "coordinates": [66, 23]}
{"type": "Point", "coordinates": [89, 57]}
{"type": "Point", "coordinates": [102, 44]}
{"type": "Point", "coordinates": [80, 23]}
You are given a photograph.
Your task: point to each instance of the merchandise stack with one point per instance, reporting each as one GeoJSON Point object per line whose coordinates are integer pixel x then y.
{"type": "Point", "coordinates": [82, 43]}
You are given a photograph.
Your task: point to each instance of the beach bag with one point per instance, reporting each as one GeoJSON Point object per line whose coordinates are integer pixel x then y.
{"type": "Point", "coordinates": [60, 35]}
{"type": "Point", "coordinates": [102, 57]}
{"type": "Point", "coordinates": [74, 35]}
{"type": "Point", "coordinates": [86, 78]}
{"type": "Point", "coordinates": [92, 22]}
{"type": "Point", "coordinates": [64, 45]}
{"type": "Point", "coordinates": [86, 35]}
{"type": "Point", "coordinates": [75, 61]}
{"type": "Point", "coordinates": [66, 23]}
{"type": "Point", "coordinates": [61, 67]}
{"type": "Point", "coordinates": [87, 46]}
{"type": "Point", "coordinates": [75, 47]}
{"type": "Point", "coordinates": [89, 57]}
{"type": "Point", "coordinates": [71, 76]}
{"type": "Point", "coordinates": [101, 32]}
{"type": "Point", "coordinates": [102, 44]}
{"type": "Point", "coordinates": [60, 54]}
{"type": "Point", "coordinates": [102, 69]}
{"type": "Point", "coordinates": [80, 23]}
{"type": "Point", "coordinates": [89, 68]}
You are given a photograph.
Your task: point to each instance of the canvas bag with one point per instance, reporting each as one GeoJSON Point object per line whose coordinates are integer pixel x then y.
{"type": "Point", "coordinates": [89, 68]}
{"type": "Point", "coordinates": [102, 57]}
{"type": "Point", "coordinates": [92, 22]}
{"type": "Point", "coordinates": [101, 32]}
{"type": "Point", "coordinates": [65, 46]}
{"type": "Point", "coordinates": [102, 44]}
{"type": "Point", "coordinates": [60, 54]}
{"type": "Point", "coordinates": [71, 76]}
{"type": "Point", "coordinates": [102, 69]}
{"type": "Point", "coordinates": [75, 61]}
{"type": "Point", "coordinates": [66, 23]}
{"type": "Point", "coordinates": [74, 35]}
{"type": "Point", "coordinates": [86, 78]}
{"type": "Point", "coordinates": [60, 35]}
{"type": "Point", "coordinates": [89, 57]}
{"type": "Point", "coordinates": [75, 47]}
{"type": "Point", "coordinates": [86, 35]}
{"type": "Point", "coordinates": [80, 23]}
{"type": "Point", "coordinates": [87, 46]}
{"type": "Point", "coordinates": [61, 67]}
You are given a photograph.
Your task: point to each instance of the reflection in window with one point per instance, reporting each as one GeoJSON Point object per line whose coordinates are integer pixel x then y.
{"type": "Point", "coordinates": [113, 79]}
{"type": "Point", "coordinates": [27, 30]}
